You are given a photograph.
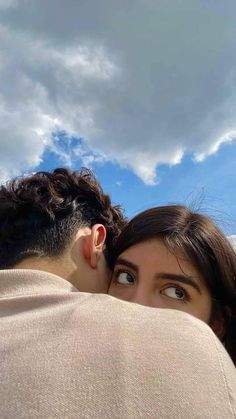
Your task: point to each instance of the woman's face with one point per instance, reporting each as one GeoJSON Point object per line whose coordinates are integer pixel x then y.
{"type": "Point", "coordinates": [149, 274]}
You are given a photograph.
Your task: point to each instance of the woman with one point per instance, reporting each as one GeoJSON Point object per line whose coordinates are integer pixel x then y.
{"type": "Point", "coordinates": [170, 257]}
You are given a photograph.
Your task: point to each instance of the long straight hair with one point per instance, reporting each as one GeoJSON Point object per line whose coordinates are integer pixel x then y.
{"type": "Point", "coordinates": [196, 237]}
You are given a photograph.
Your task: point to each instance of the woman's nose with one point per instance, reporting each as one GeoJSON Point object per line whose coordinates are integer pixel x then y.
{"type": "Point", "coordinates": [143, 296]}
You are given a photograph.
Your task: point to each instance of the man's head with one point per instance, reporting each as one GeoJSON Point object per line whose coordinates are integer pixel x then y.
{"type": "Point", "coordinates": [60, 222]}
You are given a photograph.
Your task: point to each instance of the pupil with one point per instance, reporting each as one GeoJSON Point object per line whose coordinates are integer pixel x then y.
{"type": "Point", "coordinates": [129, 278]}
{"type": "Point", "coordinates": [179, 293]}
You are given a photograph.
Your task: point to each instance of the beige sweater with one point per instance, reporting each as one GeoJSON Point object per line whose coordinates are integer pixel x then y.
{"type": "Point", "coordinates": [65, 354]}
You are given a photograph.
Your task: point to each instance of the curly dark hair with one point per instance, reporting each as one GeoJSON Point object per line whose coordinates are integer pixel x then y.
{"type": "Point", "coordinates": [197, 237]}
{"type": "Point", "coordinates": [40, 214]}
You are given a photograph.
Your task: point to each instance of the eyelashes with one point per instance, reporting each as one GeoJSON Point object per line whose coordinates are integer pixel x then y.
{"type": "Point", "coordinates": [172, 291]}
{"type": "Point", "coordinates": [123, 275]}
{"type": "Point", "coordinates": [186, 297]}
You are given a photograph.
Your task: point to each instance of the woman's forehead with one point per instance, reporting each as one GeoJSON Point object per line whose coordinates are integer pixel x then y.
{"type": "Point", "coordinates": [156, 253]}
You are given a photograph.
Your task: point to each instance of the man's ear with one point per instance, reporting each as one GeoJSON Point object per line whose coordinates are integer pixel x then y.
{"type": "Point", "coordinates": [94, 244]}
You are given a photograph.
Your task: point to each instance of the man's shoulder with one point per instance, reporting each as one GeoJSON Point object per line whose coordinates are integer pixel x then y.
{"type": "Point", "coordinates": [127, 357]}
{"type": "Point", "coordinates": [15, 282]}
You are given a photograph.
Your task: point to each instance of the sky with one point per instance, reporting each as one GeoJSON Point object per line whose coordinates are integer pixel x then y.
{"type": "Point", "coordinates": [141, 91]}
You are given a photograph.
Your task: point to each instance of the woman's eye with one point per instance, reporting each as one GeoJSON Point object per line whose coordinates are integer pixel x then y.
{"type": "Point", "coordinates": [124, 278]}
{"type": "Point", "coordinates": [175, 292]}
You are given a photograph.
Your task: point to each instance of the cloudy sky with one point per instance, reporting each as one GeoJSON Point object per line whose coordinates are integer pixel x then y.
{"type": "Point", "coordinates": [142, 91]}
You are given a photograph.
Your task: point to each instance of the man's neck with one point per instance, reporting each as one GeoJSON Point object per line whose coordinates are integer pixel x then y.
{"type": "Point", "coordinates": [58, 266]}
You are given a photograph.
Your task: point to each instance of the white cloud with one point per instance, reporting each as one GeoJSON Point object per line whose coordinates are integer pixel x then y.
{"type": "Point", "coordinates": [47, 93]}
{"type": "Point", "coordinates": [142, 84]}
{"type": "Point", "coordinates": [227, 137]}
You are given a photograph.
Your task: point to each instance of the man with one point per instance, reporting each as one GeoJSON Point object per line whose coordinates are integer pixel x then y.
{"type": "Point", "coordinates": [61, 223]}
{"type": "Point", "coordinates": [70, 354]}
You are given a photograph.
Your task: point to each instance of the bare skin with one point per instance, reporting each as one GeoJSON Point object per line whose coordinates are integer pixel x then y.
{"type": "Point", "coordinates": [149, 274]}
{"type": "Point", "coordinates": [82, 263]}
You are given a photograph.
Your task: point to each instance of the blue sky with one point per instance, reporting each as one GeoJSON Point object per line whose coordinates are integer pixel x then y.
{"type": "Point", "coordinates": [207, 187]}
{"type": "Point", "coordinates": [149, 87]}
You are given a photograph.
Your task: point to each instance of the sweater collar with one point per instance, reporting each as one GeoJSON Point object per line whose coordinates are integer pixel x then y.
{"type": "Point", "coordinates": [15, 282]}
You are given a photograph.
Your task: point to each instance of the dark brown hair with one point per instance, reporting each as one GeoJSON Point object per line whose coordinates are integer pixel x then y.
{"type": "Point", "coordinates": [197, 237]}
{"type": "Point", "coordinates": [40, 214]}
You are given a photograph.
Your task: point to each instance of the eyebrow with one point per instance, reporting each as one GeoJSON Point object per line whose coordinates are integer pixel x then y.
{"type": "Point", "coordinates": [180, 278]}
{"type": "Point", "coordinates": [121, 261]}
{"type": "Point", "coordinates": [163, 275]}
